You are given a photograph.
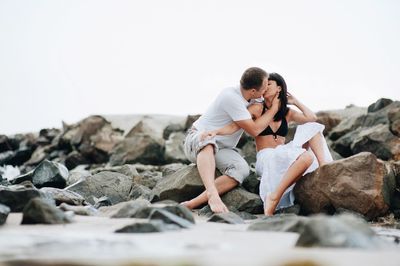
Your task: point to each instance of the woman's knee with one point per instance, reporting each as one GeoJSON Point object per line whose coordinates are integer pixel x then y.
{"type": "Point", "coordinates": [307, 158]}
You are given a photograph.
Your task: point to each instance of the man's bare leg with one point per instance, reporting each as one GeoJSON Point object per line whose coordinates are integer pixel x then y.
{"type": "Point", "coordinates": [206, 167]}
{"type": "Point", "coordinates": [293, 174]}
{"type": "Point", "coordinates": [316, 145]}
{"type": "Point", "coordinates": [223, 184]}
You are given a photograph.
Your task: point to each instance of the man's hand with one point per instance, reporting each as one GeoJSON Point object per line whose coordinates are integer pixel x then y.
{"type": "Point", "coordinates": [276, 102]}
{"type": "Point", "coordinates": [207, 135]}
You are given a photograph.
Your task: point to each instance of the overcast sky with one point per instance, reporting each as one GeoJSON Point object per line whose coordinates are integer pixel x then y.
{"type": "Point", "coordinates": [65, 60]}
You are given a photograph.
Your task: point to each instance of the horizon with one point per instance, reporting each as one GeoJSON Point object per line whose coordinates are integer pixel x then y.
{"type": "Point", "coordinates": [66, 60]}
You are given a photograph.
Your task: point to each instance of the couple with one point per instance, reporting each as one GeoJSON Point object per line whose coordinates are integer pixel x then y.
{"type": "Point", "coordinates": [259, 107]}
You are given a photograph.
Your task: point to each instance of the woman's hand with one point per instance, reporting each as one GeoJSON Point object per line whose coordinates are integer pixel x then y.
{"type": "Point", "coordinates": [207, 135]}
{"type": "Point", "coordinates": [291, 99]}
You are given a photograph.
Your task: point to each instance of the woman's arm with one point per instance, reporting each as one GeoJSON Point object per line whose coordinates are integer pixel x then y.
{"type": "Point", "coordinates": [255, 111]}
{"type": "Point", "coordinates": [306, 114]}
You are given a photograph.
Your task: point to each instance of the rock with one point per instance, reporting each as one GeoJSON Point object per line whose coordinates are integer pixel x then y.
{"type": "Point", "coordinates": [378, 140]}
{"type": "Point", "coordinates": [138, 149]}
{"type": "Point", "coordinates": [169, 218]}
{"type": "Point", "coordinates": [280, 223]}
{"type": "Point", "coordinates": [5, 144]}
{"type": "Point", "coordinates": [64, 196]}
{"type": "Point", "coordinates": [228, 218]}
{"type": "Point", "coordinates": [140, 192]}
{"type": "Point", "coordinates": [50, 174]}
{"type": "Point", "coordinates": [40, 153]}
{"type": "Point", "coordinates": [4, 211]}
{"type": "Point", "coordinates": [79, 210]}
{"type": "Point", "coordinates": [242, 200]}
{"type": "Point", "coordinates": [126, 169]}
{"type": "Point", "coordinates": [360, 183]}
{"type": "Point", "coordinates": [74, 159]}
{"type": "Point", "coordinates": [77, 175]}
{"type": "Point", "coordinates": [22, 178]}
{"type": "Point", "coordinates": [131, 208]}
{"type": "Point", "coordinates": [174, 148]}
{"type": "Point", "coordinates": [295, 209]}
{"type": "Point", "coordinates": [343, 231]}
{"type": "Point", "coordinates": [171, 128]}
{"type": "Point", "coordinates": [190, 120]}
{"type": "Point", "coordinates": [180, 186]}
{"type": "Point", "coordinates": [151, 226]}
{"type": "Point", "coordinates": [39, 211]}
{"type": "Point", "coordinates": [379, 104]}
{"type": "Point", "coordinates": [17, 196]}
{"type": "Point", "coordinates": [347, 125]}
{"type": "Point", "coordinates": [329, 119]}
{"type": "Point", "coordinates": [113, 185]}
{"type": "Point", "coordinates": [102, 202]}
{"type": "Point", "coordinates": [171, 168]}
{"type": "Point", "coordinates": [394, 121]}
{"type": "Point", "coordinates": [176, 209]}
{"type": "Point", "coordinates": [252, 183]}
{"type": "Point", "coordinates": [248, 152]}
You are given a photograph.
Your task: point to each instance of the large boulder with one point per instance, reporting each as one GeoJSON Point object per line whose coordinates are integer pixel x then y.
{"type": "Point", "coordinates": [180, 186]}
{"type": "Point", "coordinates": [329, 119]}
{"type": "Point", "coordinates": [174, 148]}
{"type": "Point", "coordinates": [360, 183]}
{"type": "Point", "coordinates": [242, 200]}
{"type": "Point", "coordinates": [115, 186]}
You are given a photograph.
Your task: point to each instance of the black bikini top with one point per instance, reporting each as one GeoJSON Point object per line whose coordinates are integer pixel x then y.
{"type": "Point", "coordinates": [282, 130]}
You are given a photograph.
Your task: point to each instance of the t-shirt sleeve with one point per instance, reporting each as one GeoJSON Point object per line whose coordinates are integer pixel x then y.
{"type": "Point", "coordinates": [235, 108]}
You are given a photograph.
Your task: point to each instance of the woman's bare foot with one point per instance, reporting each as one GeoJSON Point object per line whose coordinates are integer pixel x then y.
{"type": "Point", "coordinates": [271, 201]}
{"type": "Point", "coordinates": [188, 204]}
{"type": "Point", "coordinates": [216, 204]}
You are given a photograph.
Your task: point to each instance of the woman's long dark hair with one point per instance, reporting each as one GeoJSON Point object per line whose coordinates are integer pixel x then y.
{"type": "Point", "coordinates": [283, 109]}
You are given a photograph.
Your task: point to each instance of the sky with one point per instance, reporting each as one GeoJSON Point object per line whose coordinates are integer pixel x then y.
{"type": "Point", "coordinates": [66, 60]}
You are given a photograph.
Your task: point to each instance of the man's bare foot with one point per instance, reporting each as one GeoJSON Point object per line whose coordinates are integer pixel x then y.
{"type": "Point", "coordinates": [216, 204]}
{"type": "Point", "coordinates": [271, 201]}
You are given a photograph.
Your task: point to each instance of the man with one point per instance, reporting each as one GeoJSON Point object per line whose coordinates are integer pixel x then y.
{"type": "Point", "coordinates": [229, 106]}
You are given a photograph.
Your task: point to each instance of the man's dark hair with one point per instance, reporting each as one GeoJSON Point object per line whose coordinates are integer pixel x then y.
{"type": "Point", "coordinates": [253, 78]}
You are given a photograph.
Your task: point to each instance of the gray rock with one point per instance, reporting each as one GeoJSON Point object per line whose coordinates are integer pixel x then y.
{"type": "Point", "coordinates": [21, 178]}
{"type": "Point", "coordinates": [242, 200]}
{"type": "Point", "coordinates": [79, 210]}
{"type": "Point", "coordinates": [280, 223]}
{"type": "Point", "coordinates": [64, 196]}
{"type": "Point", "coordinates": [394, 121]}
{"type": "Point", "coordinates": [74, 159]}
{"type": "Point", "coordinates": [360, 183]}
{"type": "Point", "coordinates": [76, 175]}
{"type": "Point", "coordinates": [39, 211]}
{"type": "Point", "coordinates": [140, 192]}
{"type": "Point", "coordinates": [171, 128]}
{"type": "Point", "coordinates": [50, 174]}
{"type": "Point", "coordinates": [5, 144]}
{"type": "Point", "coordinates": [151, 226]}
{"type": "Point", "coordinates": [228, 218]}
{"type": "Point", "coordinates": [113, 185]}
{"type": "Point", "coordinates": [174, 148]}
{"type": "Point", "coordinates": [4, 211]}
{"type": "Point", "coordinates": [169, 218]}
{"type": "Point", "coordinates": [171, 168]}
{"type": "Point", "coordinates": [130, 209]}
{"type": "Point", "coordinates": [252, 183]}
{"type": "Point", "coordinates": [17, 196]}
{"type": "Point", "coordinates": [379, 104]}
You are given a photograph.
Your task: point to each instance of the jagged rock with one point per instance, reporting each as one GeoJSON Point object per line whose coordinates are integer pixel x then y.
{"type": "Point", "coordinates": [138, 149]}
{"type": "Point", "coordinates": [248, 152]}
{"type": "Point", "coordinates": [242, 200]}
{"type": "Point", "coordinates": [346, 126]}
{"type": "Point", "coordinates": [151, 226]}
{"type": "Point", "coordinates": [171, 129]}
{"type": "Point", "coordinates": [21, 178]}
{"type": "Point", "coordinates": [141, 192]}
{"type": "Point", "coordinates": [5, 144]}
{"type": "Point", "coordinates": [39, 211]}
{"type": "Point", "coordinates": [228, 218]}
{"type": "Point", "coordinates": [74, 159]}
{"type": "Point", "coordinates": [252, 183]}
{"type": "Point", "coordinates": [360, 183]}
{"type": "Point", "coordinates": [171, 168]}
{"type": "Point", "coordinates": [76, 175]}
{"type": "Point", "coordinates": [130, 209]}
{"type": "Point", "coordinates": [190, 120]}
{"type": "Point", "coordinates": [50, 174]}
{"type": "Point", "coordinates": [115, 186]}
{"type": "Point", "coordinates": [40, 153]}
{"type": "Point", "coordinates": [379, 141]}
{"type": "Point", "coordinates": [148, 176]}
{"type": "Point", "coordinates": [17, 196]}
{"type": "Point", "coordinates": [64, 196]}
{"type": "Point", "coordinates": [102, 202]}
{"type": "Point", "coordinates": [182, 185]}
{"type": "Point", "coordinates": [280, 223]}
{"type": "Point", "coordinates": [4, 211]}
{"type": "Point", "coordinates": [169, 218]}
{"type": "Point", "coordinates": [174, 148]}
{"type": "Point", "coordinates": [79, 210]}
{"type": "Point", "coordinates": [379, 104]}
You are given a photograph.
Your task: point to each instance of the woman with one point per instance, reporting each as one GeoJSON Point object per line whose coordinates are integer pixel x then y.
{"type": "Point", "coordinates": [281, 165]}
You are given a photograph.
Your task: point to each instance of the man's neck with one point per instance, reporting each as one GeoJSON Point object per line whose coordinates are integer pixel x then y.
{"type": "Point", "coordinates": [245, 94]}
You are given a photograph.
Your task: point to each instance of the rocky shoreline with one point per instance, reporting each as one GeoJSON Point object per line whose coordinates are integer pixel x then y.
{"type": "Point", "coordinates": [129, 172]}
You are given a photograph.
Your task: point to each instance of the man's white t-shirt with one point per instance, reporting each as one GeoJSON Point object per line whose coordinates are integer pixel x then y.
{"type": "Point", "coordinates": [229, 106]}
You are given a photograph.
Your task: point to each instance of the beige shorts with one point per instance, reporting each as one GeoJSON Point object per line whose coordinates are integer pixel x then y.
{"type": "Point", "coordinates": [227, 160]}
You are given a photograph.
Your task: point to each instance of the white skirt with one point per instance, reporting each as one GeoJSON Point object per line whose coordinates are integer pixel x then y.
{"type": "Point", "coordinates": [273, 163]}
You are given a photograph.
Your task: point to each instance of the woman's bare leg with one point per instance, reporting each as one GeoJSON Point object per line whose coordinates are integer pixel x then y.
{"type": "Point", "coordinates": [294, 172]}
{"type": "Point", "coordinates": [316, 144]}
